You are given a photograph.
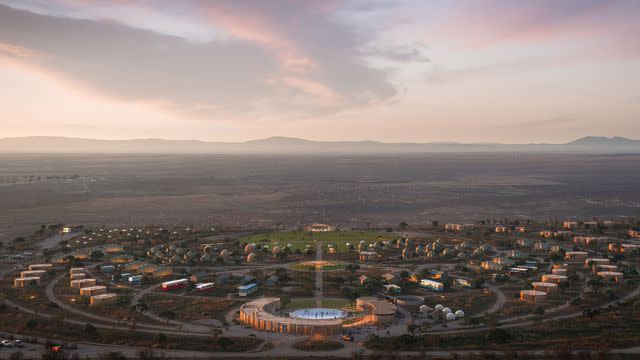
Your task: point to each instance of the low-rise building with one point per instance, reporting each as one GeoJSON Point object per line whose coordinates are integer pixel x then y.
{"type": "Point", "coordinates": [554, 278]}
{"type": "Point", "coordinates": [432, 285]}
{"type": "Point", "coordinates": [576, 255]}
{"type": "Point", "coordinates": [40, 266]}
{"type": "Point", "coordinates": [93, 290]}
{"type": "Point", "coordinates": [533, 296]}
{"type": "Point", "coordinates": [367, 255]}
{"type": "Point", "coordinates": [81, 283]}
{"type": "Point", "coordinates": [611, 276]}
{"type": "Point", "coordinates": [392, 289]}
{"type": "Point", "coordinates": [103, 298]}
{"type": "Point", "coordinates": [569, 225]}
{"type": "Point", "coordinates": [547, 287]}
{"type": "Point", "coordinates": [590, 240]}
{"type": "Point", "coordinates": [26, 281]}
{"type": "Point", "coordinates": [246, 290]}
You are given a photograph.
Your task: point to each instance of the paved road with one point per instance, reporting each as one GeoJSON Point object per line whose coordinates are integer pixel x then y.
{"type": "Point", "coordinates": [52, 241]}
{"type": "Point", "coordinates": [319, 285]}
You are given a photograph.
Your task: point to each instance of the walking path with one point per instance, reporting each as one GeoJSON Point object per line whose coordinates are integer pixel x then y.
{"type": "Point", "coordinates": [318, 292]}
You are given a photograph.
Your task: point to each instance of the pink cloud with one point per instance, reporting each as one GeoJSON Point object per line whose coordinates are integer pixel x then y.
{"type": "Point", "coordinates": [480, 24]}
{"type": "Point", "coordinates": [16, 50]}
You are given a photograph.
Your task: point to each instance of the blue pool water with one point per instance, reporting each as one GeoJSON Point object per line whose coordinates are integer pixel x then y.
{"type": "Point", "coordinates": [318, 313]}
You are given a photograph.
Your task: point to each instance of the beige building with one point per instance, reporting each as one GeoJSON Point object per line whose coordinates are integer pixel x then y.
{"type": "Point", "coordinates": [40, 266]}
{"type": "Point", "coordinates": [78, 276]}
{"type": "Point", "coordinates": [33, 273]}
{"type": "Point", "coordinates": [103, 298]}
{"type": "Point", "coordinates": [611, 276]}
{"type": "Point", "coordinates": [576, 255]}
{"type": "Point", "coordinates": [25, 281]}
{"type": "Point", "coordinates": [81, 283]}
{"type": "Point", "coordinates": [93, 290]}
{"type": "Point", "coordinates": [590, 240]}
{"type": "Point", "coordinates": [553, 278]}
{"type": "Point", "coordinates": [533, 296]}
{"type": "Point", "coordinates": [547, 287]}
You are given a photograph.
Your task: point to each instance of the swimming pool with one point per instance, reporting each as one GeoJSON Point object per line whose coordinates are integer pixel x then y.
{"type": "Point", "coordinates": [318, 314]}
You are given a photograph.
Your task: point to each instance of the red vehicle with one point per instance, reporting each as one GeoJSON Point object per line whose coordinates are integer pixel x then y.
{"type": "Point", "coordinates": [174, 284]}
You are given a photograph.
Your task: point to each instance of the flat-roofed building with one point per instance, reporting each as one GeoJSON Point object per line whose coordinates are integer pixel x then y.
{"type": "Point", "coordinates": [533, 296]}
{"type": "Point", "coordinates": [547, 287]}
{"type": "Point", "coordinates": [33, 273]}
{"type": "Point", "coordinates": [611, 276]}
{"type": "Point", "coordinates": [78, 276]}
{"type": "Point", "coordinates": [40, 266]}
{"type": "Point", "coordinates": [590, 240]}
{"type": "Point", "coordinates": [576, 255]}
{"type": "Point", "coordinates": [570, 225]}
{"type": "Point", "coordinates": [589, 262]}
{"type": "Point", "coordinates": [553, 278]}
{"type": "Point", "coordinates": [26, 281]}
{"type": "Point", "coordinates": [103, 298]}
{"type": "Point", "coordinates": [81, 283]}
{"type": "Point", "coordinates": [93, 290]}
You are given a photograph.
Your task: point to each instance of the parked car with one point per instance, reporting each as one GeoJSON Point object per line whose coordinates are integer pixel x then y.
{"type": "Point", "coordinates": [6, 343]}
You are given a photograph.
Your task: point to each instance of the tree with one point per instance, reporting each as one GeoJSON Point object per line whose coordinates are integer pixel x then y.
{"type": "Point", "coordinates": [591, 313]}
{"type": "Point", "coordinates": [170, 315]}
{"type": "Point", "coordinates": [224, 342]}
{"type": "Point", "coordinates": [411, 329]}
{"type": "Point", "coordinates": [352, 268]}
{"type": "Point", "coordinates": [160, 339]}
{"type": "Point", "coordinates": [499, 336]}
{"type": "Point", "coordinates": [89, 330]}
{"type": "Point", "coordinates": [403, 225]}
{"type": "Point", "coordinates": [31, 324]}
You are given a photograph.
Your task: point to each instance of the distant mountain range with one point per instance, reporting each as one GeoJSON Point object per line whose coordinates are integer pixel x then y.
{"type": "Point", "coordinates": [286, 145]}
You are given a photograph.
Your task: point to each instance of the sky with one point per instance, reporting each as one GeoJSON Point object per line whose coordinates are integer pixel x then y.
{"type": "Point", "coordinates": [470, 70]}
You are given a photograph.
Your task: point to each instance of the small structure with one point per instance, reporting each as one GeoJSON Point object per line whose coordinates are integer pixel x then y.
{"type": "Point", "coordinates": [559, 271]}
{"type": "Point", "coordinates": [82, 283]}
{"type": "Point", "coordinates": [569, 225]}
{"type": "Point", "coordinates": [594, 261]}
{"type": "Point", "coordinates": [246, 290]}
{"type": "Point", "coordinates": [432, 285]}
{"type": "Point", "coordinates": [547, 287]}
{"type": "Point", "coordinates": [553, 278]}
{"type": "Point", "coordinates": [134, 279]}
{"type": "Point", "coordinates": [33, 273]}
{"type": "Point", "coordinates": [103, 298]}
{"type": "Point", "coordinates": [319, 228]}
{"type": "Point", "coordinates": [93, 290]}
{"type": "Point", "coordinates": [576, 255]}
{"type": "Point", "coordinates": [25, 281]}
{"type": "Point", "coordinates": [78, 276]}
{"type": "Point", "coordinates": [612, 276]}
{"type": "Point", "coordinates": [77, 270]}
{"type": "Point", "coordinates": [40, 266]}
{"type": "Point", "coordinates": [367, 255]}
{"type": "Point", "coordinates": [590, 240]}
{"type": "Point", "coordinates": [533, 296]}
{"type": "Point", "coordinates": [392, 289]}
{"type": "Point", "coordinates": [607, 267]}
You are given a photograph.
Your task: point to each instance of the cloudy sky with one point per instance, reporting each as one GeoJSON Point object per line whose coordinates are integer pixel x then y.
{"type": "Point", "coordinates": [473, 71]}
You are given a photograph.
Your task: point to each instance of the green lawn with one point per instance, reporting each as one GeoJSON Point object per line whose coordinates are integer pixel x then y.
{"type": "Point", "coordinates": [300, 239]}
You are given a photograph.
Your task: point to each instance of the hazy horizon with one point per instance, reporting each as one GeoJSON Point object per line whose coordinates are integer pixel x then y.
{"type": "Point", "coordinates": [460, 71]}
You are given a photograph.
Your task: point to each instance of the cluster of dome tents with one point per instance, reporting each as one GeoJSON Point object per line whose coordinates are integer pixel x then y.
{"type": "Point", "coordinates": [443, 311]}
